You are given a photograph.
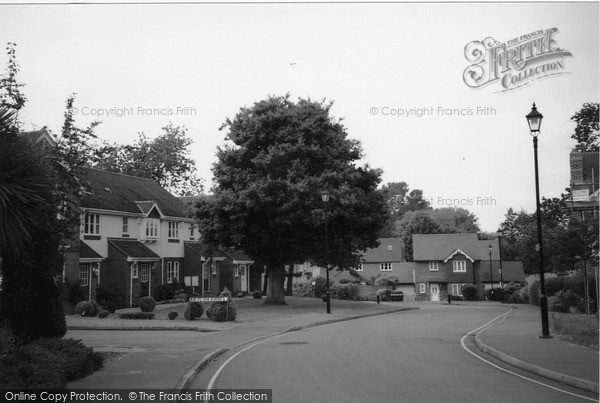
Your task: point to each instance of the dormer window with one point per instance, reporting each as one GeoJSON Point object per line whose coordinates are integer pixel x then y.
{"type": "Point", "coordinates": [151, 228]}
{"type": "Point", "coordinates": [459, 266]}
{"type": "Point", "coordinates": [92, 224]}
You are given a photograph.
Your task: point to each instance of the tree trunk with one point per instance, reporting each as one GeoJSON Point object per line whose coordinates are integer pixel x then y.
{"type": "Point", "coordinates": [290, 280]}
{"type": "Point", "coordinates": [266, 283]}
{"type": "Point", "coordinates": [275, 291]}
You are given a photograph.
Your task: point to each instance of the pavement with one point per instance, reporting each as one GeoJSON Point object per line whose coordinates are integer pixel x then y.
{"type": "Point", "coordinates": [514, 340]}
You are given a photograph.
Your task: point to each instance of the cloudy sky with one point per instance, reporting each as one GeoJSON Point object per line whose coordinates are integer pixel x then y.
{"type": "Point", "coordinates": [394, 71]}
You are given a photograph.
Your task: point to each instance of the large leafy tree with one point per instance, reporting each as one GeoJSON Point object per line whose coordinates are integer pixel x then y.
{"type": "Point", "coordinates": [164, 159]}
{"type": "Point", "coordinates": [280, 154]}
{"type": "Point", "coordinates": [400, 199]}
{"type": "Point", "coordinates": [415, 222]}
{"type": "Point", "coordinates": [11, 96]}
{"type": "Point", "coordinates": [587, 129]}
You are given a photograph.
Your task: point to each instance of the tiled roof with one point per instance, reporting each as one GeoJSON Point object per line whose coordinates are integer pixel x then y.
{"type": "Point", "coordinates": [389, 250]}
{"type": "Point", "coordinates": [85, 252]}
{"type": "Point", "coordinates": [118, 192]}
{"type": "Point", "coordinates": [202, 250]}
{"type": "Point", "coordinates": [511, 271]}
{"type": "Point", "coordinates": [237, 255]}
{"type": "Point", "coordinates": [484, 251]}
{"type": "Point", "coordinates": [36, 136]}
{"type": "Point", "coordinates": [133, 248]}
{"type": "Point", "coordinates": [428, 247]}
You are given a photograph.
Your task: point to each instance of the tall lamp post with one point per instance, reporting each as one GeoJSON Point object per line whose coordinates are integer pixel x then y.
{"type": "Point", "coordinates": [534, 120]}
{"type": "Point", "coordinates": [325, 197]}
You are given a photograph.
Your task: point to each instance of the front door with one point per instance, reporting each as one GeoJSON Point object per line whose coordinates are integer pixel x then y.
{"type": "Point", "coordinates": [434, 292]}
{"type": "Point", "coordinates": [243, 278]}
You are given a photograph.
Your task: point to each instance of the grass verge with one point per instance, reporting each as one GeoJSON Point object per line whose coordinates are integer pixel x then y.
{"type": "Point", "coordinates": [578, 329]}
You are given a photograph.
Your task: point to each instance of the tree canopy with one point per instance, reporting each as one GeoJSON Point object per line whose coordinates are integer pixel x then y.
{"type": "Point", "coordinates": [587, 129]}
{"type": "Point", "coordinates": [279, 156]}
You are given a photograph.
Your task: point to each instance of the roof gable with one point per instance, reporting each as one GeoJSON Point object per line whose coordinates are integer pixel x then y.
{"type": "Point", "coordinates": [439, 247]}
{"type": "Point", "coordinates": [457, 252]}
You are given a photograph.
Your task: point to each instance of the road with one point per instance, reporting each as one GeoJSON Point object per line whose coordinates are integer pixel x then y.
{"type": "Point", "coordinates": [413, 356]}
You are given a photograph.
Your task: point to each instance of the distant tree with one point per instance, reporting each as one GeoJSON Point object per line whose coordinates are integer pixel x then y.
{"type": "Point", "coordinates": [454, 220]}
{"type": "Point", "coordinates": [164, 159]}
{"type": "Point", "coordinates": [400, 200]}
{"type": "Point", "coordinates": [268, 177]}
{"type": "Point", "coordinates": [587, 129]}
{"type": "Point", "coordinates": [415, 222]}
{"type": "Point", "coordinates": [11, 96]}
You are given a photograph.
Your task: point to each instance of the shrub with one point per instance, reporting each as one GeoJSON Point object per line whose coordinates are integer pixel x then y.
{"type": "Point", "coordinates": [565, 301]}
{"type": "Point", "coordinates": [387, 281]}
{"type": "Point", "coordinates": [164, 293]}
{"type": "Point", "coordinates": [222, 311]}
{"type": "Point", "coordinates": [103, 314]}
{"type": "Point", "coordinates": [493, 294]}
{"type": "Point", "coordinates": [106, 299]}
{"type": "Point", "coordinates": [345, 291]}
{"type": "Point", "coordinates": [384, 294]}
{"type": "Point", "coordinates": [345, 281]}
{"type": "Point", "coordinates": [257, 294]}
{"type": "Point", "coordinates": [516, 298]}
{"type": "Point", "coordinates": [86, 308]}
{"type": "Point", "coordinates": [469, 292]}
{"type": "Point", "coordinates": [109, 306]}
{"type": "Point", "coordinates": [193, 310]}
{"type": "Point", "coordinates": [147, 304]}
{"type": "Point", "coordinates": [172, 315]}
{"type": "Point", "coordinates": [136, 315]}
{"type": "Point", "coordinates": [74, 292]}
{"type": "Point", "coordinates": [303, 289]}
{"type": "Point", "coordinates": [524, 294]}
{"type": "Point", "coordinates": [554, 285]}
{"type": "Point", "coordinates": [181, 296]}
{"type": "Point", "coordinates": [48, 363]}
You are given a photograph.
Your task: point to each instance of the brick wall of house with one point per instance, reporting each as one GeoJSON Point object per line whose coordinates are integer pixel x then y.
{"type": "Point", "coordinates": [226, 276]}
{"type": "Point", "coordinates": [116, 274]}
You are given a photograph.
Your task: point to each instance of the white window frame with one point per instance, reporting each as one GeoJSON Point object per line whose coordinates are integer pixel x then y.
{"type": "Point", "coordinates": [192, 231]}
{"type": "Point", "coordinates": [173, 230]}
{"type": "Point", "coordinates": [385, 266]}
{"type": "Point", "coordinates": [459, 266]}
{"type": "Point", "coordinates": [422, 288]}
{"type": "Point", "coordinates": [151, 228]}
{"type": "Point", "coordinates": [125, 225]}
{"type": "Point", "coordinates": [213, 267]}
{"type": "Point", "coordinates": [91, 224]}
{"type": "Point", "coordinates": [434, 266]}
{"type": "Point", "coordinates": [456, 289]}
{"type": "Point", "coordinates": [145, 272]}
{"type": "Point", "coordinates": [172, 271]}
{"type": "Point", "coordinates": [236, 270]}
{"type": "Point", "coordinates": [135, 271]}
{"type": "Point", "coordinates": [84, 275]}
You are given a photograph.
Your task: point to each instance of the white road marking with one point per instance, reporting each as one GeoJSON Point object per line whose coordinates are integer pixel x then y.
{"type": "Point", "coordinates": [492, 322]}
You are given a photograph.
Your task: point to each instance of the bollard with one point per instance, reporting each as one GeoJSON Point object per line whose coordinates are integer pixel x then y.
{"type": "Point", "coordinates": [377, 298]}
{"type": "Point", "coordinates": [449, 299]}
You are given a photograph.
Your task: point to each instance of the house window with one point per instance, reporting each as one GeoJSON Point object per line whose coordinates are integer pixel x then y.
{"type": "Point", "coordinates": [433, 266]}
{"type": "Point", "coordinates": [192, 231]}
{"type": "Point", "coordinates": [360, 268]}
{"type": "Point", "coordinates": [422, 288]}
{"type": "Point", "coordinates": [236, 270]}
{"type": "Point", "coordinates": [456, 289]}
{"type": "Point", "coordinates": [173, 229]}
{"type": "Point", "coordinates": [172, 271]}
{"type": "Point", "coordinates": [213, 267]}
{"type": "Point", "coordinates": [92, 224]}
{"type": "Point", "coordinates": [135, 271]}
{"type": "Point", "coordinates": [459, 266]}
{"type": "Point", "coordinates": [385, 267]}
{"type": "Point", "coordinates": [84, 274]}
{"type": "Point", "coordinates": [205, 278]}
{"type": "Point", "coordinates": [125, 225]}
{"type": "Point", "coordinates": [145, 273]}
{"type": "Point", "coordinates": [151, 228]}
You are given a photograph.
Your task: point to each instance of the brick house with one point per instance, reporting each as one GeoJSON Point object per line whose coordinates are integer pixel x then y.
{"type": "Point", "coordinates": [131, 238]}
{"type": "Point", "coordinates": [213, 270]}
{"type": "Point", "coordinates": [584, 183]}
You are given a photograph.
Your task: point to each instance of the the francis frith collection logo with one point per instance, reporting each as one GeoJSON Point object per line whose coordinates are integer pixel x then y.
{"type": "Point", "coordinates": [516, 62]}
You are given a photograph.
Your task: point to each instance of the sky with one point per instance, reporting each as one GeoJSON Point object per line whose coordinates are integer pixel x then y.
{"type": "Point", "coordinates": [395, 72]}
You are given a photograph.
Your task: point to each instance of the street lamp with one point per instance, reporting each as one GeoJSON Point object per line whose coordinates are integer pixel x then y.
{"type": "Point", "coordinates": [325, 197]}
{"type": "Point", "coordinates": [534, 120]}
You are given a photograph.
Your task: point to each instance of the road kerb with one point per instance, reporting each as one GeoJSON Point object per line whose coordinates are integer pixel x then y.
{"type": "Point", "coordinates": [185, 381]}
{"type": "Point", "coordinates": [536, 369]}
